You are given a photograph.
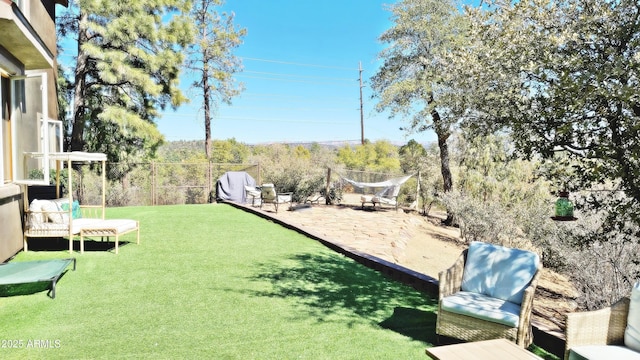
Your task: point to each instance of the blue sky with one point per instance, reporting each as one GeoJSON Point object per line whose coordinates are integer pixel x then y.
{"type": "Point", "coordinates": [301, 70]}
{"type": "Point", "coordinates": [300, 74]}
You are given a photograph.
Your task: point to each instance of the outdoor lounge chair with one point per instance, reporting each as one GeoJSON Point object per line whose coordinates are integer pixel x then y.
{"type": "Point", "coordinates": [66, 217]}
{"type": "Point", "coordinates": [488, 294]}
{"type": "Point", "coordinates": [314, 199]}
{"type": "Point", "coordinates": [609, 333]}
{"type": "Point", "coordinates": [269, 195]}
{"type": "Point", "coordinates": [253, 193]}
{"type": "Point", "coordinates": [384, 196]}
{"type": "Point", "coordinates": [25, 272]}
{"type": "Point", "coordinates": [388, 196]}
{"type": "Point", "coordinates": [47, 218]}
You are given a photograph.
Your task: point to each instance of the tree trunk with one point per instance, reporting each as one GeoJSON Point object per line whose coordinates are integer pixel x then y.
{"type": "Point", "coordinates": [444, 163]}
{"type": "Point", "coordinates": [79, 106]}
{"type": "Point", "coordinates": [207, 111]}
{"type": "Point", "coordinates": [443, 134]}
{"type": "Point", "coordinates": [206, 91]}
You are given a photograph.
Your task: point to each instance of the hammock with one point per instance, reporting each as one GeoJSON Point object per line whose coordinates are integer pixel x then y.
{"type": "Point", "coordinates": [382, 184]}
{"type": "Point", "coordinates": [388, 195]}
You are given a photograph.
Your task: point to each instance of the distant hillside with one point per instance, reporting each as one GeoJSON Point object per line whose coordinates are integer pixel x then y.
{"type": "Point", "coordinates": [194, 146]}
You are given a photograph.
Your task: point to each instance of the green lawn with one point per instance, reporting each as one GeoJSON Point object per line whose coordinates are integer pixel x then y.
{"type": "Point", "coordinates": [214, 282]}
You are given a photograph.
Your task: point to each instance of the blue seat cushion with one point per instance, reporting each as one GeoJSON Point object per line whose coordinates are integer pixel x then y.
{"type": "Point", "coordinates": [604, 352]}
{"type": "Point", "coordinates": [483, 307]}
{"type": "Point", "coordinates": [499, 271]}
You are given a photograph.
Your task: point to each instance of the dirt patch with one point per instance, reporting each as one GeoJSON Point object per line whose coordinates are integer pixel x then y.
{"type": "Point", "coordinates": [419, 243]}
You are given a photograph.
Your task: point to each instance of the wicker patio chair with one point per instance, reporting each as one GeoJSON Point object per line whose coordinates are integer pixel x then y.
{"type": "Point", "coordinates": [469, 326]}
{"type": "Point", "coordinates": [599, 327]}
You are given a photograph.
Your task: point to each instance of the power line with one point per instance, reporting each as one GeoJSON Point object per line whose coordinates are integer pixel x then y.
{"type": "Point", "coordinates": [294, 75]}
{"type": "Point", "coordinates": [295, 98]}
{"type": "Point", "coordinates": [295, 121]}
{"type": "Point", "coordinates": [292, 80]}
{"type": "Point", "coordinates": [299, 64]}
{"type": "Point", "coordinates": [294, 108]}
{"type": "Point", "coordinates": [262, 108]}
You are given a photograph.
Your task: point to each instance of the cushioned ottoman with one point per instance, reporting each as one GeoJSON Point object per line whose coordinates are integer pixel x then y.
{"type": "Point", "coordinates": [109, 228]}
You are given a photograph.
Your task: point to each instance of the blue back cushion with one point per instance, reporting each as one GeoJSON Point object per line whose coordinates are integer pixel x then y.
{"type": "Point", "coordinates": [499, 271]}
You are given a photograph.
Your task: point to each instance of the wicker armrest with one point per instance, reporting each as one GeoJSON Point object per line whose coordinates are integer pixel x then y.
{"type": "Point", "coordinates": [527, 297]}
{"type": "Point", "coordinates": [599, 327]}
{"type": "Point", "coordinates": [450, 280]}
{"type": "Point", "coordinates": [525, 334]}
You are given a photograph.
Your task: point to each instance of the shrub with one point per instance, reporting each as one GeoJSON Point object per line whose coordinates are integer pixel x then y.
{"type": "Point", "coordinates": [292, 170]}
{"type": "Point", "coordinates": [605, 251]}
{"type": "Point", "coordinates": [520, 225]}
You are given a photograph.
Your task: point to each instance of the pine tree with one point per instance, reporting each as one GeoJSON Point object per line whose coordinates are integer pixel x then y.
{"type": "Point", "coordinates": [127, 69]}
{"type": "Point", "coordinates": [210, 56]}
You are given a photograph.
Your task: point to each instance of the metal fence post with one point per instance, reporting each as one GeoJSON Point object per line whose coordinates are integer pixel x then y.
{"type": "Point", "coordinates": [327, 197]}
{"type": "Point", "coordinates": [153, 183]}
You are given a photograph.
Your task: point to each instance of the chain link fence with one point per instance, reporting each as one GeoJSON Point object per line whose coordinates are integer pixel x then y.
{"type": "Point", "coordinates": [149, 184]}
{"type": "Point", "coordinates": [155, 183]}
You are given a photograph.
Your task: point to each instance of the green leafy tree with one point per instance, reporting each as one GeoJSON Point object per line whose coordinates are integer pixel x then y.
{"type": "Point", "coordinates": [412, 156]}
{"type": "Point", "coordinates": [381, 156]}
{"type": "Point", "coordinates": [302, 152]}
{"type": "Point", "coordinates": [414, 81]}
{"type": "Point", "coordinates": [563, 77]}
{"type": "Point", "coordinates": [488, 172]}
{"type": "Point", "coordinates": [347, 155]}
{"type": "Point", "coordinates": [230, 151]}
{"type": "Point", "coordinates": [211, 57]}
{"type": "Point", "coordinates": [128, 59]}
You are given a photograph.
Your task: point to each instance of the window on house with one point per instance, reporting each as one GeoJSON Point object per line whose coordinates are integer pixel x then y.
{"type": "Point", "coordinates": [30, 129]}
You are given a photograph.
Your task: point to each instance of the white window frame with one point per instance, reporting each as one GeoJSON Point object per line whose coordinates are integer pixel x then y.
{"type": "Point", "coordinates": [44, 132]}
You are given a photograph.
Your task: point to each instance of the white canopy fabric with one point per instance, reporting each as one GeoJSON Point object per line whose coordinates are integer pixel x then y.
{"type": "Point", "coordinates": [71, 156]}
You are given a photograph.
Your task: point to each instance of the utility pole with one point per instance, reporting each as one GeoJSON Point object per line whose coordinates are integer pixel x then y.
{"type": "Point", "coordinates": [361, 106]}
